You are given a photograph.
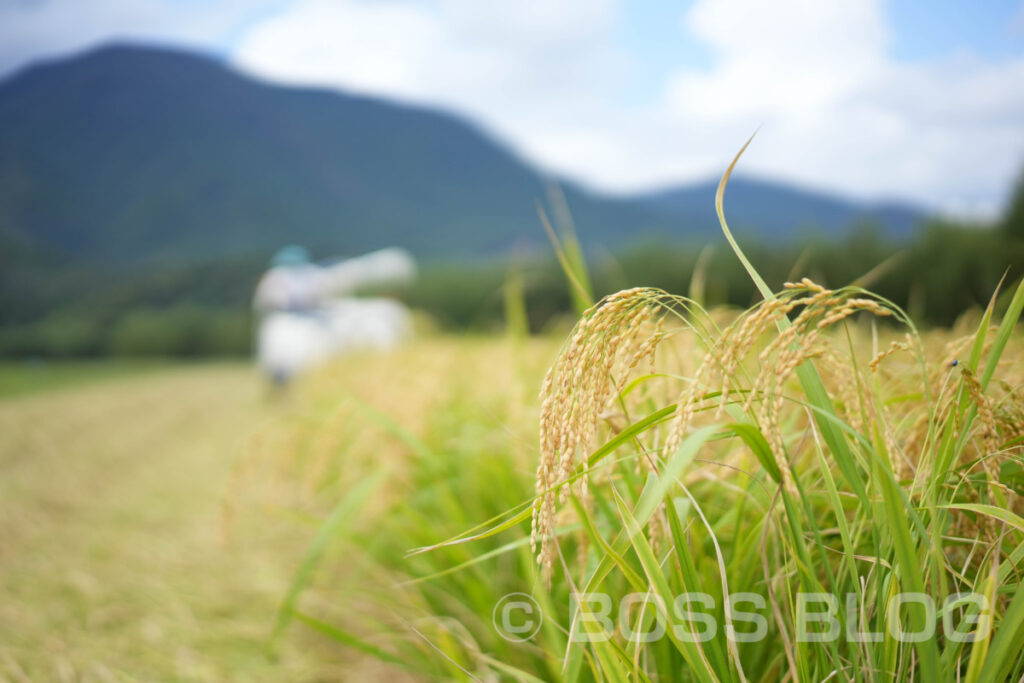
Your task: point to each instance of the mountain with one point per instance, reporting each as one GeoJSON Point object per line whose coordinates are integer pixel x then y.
{"type": "Point", "coordinates": [757, 206]}
{"type": "Point", "coordinates": [131, 155]}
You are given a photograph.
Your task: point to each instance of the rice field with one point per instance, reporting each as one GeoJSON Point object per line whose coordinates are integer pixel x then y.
{"type": "Point", "coordinates": [153, 518]}
{"type": "Point", "coordinates": [183, 524]}
{"type": "Point", "coordinates": [114, 564]}
{"type": "Point", "coordinates": [810, 489]}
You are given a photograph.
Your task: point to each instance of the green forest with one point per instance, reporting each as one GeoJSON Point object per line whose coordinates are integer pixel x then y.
{"type": "Point", "coordinates": [63, 309]}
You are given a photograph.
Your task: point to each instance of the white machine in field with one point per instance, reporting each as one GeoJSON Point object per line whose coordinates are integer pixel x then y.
{"type": "Point", "coordinates": [308, 313]}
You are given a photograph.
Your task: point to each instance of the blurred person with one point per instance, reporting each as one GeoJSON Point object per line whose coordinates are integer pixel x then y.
{"type": "Point", "coordinates": [308, 312]}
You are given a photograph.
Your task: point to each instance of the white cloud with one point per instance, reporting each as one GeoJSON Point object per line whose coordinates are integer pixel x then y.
{"type": "Point", "coordinates": [527, 69]}
{"type": "Point", "coordinates": [553, 78]}
{"type": "Point", "coordinates": [838, 111]}
{"type": "Point", "coordinates": [835, 110]}
{"type": "Point", "coordinates": [787, 58]}
{"type": "Point", "coordinates": [33, 29]}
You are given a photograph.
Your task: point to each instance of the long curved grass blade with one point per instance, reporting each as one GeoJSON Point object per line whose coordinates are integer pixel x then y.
{"type": "Point", "coordinates": [979, 652]}
{"type": "Point", "coordinates": [809, 378]}
{"type": "Point", "coordinates": [1014, 520]}
{"type": "Point", "coordinates": [588, 525]}
{"type": "Point", "coordinates": [332, 526]}
{"type": "Point", "coordinates": [662, 482]}
{"type": "Point", "coordinates": [627, 434]}
{"type": "Point", "coordinates": [978, 345]}
{"type": "Point", "coordinates": [476, 559]}
{"type": "Point", "coordinates": [581, 296]}
{"type": "Point", "coordinates": [512, 672]}
{"type": "Point", "coordinates": [1010, 319]}
{"type": "Point", "coordinates": [516, 519]}
{"type": "Point", "coordinates": [909, 569]}
{"type": "Point", "coordinates": [762, 286]}
{"type": "Point", "coordinates": [621, 438]}
{"type": "Point", "coordinates": [1005, 648]}
{"type": "Point", "coordinates": [351, 640]}
{"type": "Point", "coordinates": [758, 445]}
{"type": "Point", "coordinates": [700, 667]}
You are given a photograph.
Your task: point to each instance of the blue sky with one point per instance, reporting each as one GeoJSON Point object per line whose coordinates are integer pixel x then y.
{"type": "Point", "coordinates": [920, 30]}
{"type": "Point", "coordinates": [870, 98]}
{"type": "Point", "coordinates": [924, 30]}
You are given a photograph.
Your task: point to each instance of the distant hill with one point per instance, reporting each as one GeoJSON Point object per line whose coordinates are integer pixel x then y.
{"type": "Point", "coordinates": [132, 155]}
{"type": "Point", "coordinates": [758, 206]}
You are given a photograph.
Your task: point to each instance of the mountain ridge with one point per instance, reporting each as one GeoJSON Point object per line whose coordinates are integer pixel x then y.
{"type": "Point", "coordinates": [129, 154]}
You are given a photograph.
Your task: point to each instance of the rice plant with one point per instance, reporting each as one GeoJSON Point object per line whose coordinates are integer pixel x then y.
{"type": "Point", "coordinates": [796, 458]}
{"type": "Point", "coordinates": [807, 490]}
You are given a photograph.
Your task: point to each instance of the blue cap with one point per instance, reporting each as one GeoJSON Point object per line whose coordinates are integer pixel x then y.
{"type": "Point", "coordinates": [292, 255]}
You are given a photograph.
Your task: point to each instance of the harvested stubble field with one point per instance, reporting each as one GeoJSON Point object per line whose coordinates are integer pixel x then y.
{"type": "Point", "coordinates": [153, 517]}
{"type": "Point", "coordinates": [181, 524]}
{"type": "Point", "coordinates": [113, 564]}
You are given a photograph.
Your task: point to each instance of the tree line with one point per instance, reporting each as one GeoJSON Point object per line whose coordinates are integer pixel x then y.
{"type": "Point", "coordinates": [53, 307]}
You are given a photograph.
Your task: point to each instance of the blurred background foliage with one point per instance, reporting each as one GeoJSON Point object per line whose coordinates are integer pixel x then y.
{"type": "Point", "coordinates": [55, 309]}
